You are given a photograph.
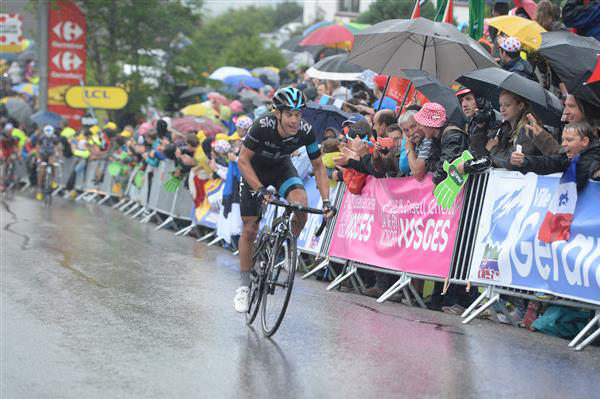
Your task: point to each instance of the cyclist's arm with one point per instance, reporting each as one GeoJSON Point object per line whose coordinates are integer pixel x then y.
{"type": "Point", "coordinates": [246, 168]}
{"type": "Point", "coordinates": [321, 177]}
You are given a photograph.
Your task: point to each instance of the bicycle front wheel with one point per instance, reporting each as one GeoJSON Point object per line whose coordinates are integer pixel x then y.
{"type": "Point", "coordinates": [278, 283]}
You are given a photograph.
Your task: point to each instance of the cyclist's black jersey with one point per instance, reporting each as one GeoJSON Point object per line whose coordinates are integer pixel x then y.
{"type": "Point", "coordinates": [271, 149]}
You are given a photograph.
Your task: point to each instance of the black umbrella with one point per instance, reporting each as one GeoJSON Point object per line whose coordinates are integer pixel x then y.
{"type": "Point", "coordinates": [489, 83]}
{"type": "Point", "coordinates": [437, 92]}
{"type": "Point", "coordinates": [293, 46]}
{"type": "Point", "coordinates": [19, 110]}
{"type": "Point", "coordinates": [436, 47]}
{"type": "Point", "coordinates": [42, 118]}
{"type": "Point", "coordinates": [323, 116]}
{"type": "Point", "coordinates": [195, 91]}
{"type": "Point", "coordinates": [573, 58]}
{"type": "Point", "coordinates": [335, 67]}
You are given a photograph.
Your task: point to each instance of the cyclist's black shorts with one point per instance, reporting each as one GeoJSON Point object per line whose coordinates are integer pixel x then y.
{"type": "Point", "coordinates": [284, 178]}
{"type": "Point", "coordinates": [45, 157]}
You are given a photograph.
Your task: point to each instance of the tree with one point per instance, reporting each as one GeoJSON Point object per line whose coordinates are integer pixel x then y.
{"type": "Point", "coordinates": [233, 39]}
{"type": "Point", "coordinates": [382, 10]}
{"type": "Point", "coordinates": [119, 31]}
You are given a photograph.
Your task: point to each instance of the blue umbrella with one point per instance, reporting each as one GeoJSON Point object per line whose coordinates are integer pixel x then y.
{"type": "Point", "coordinates": [243, 80]}
{"type": "Point", "coordinates": [323, 116]}
{"type": "Point", "coordinates": [42, 118]}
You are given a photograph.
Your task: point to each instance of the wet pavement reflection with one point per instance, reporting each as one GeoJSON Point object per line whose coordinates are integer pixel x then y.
{"type": "Point", "coordinates": [96, 305]}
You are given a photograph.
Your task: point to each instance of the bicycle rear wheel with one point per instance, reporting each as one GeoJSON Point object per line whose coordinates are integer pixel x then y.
{"type": "Point", "coordinates": [278, 283]}
{"type": "Point", "coordinates": [260, 260]}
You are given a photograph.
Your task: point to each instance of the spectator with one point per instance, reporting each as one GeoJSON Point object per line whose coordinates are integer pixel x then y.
{"type": "Point", "coordinates": [546, 16]}
{"type": "Point", "coordinates": [510, 58]}
{"type": "Point", "coordinates": [447, 141]}
{"type": "Point", "coordinates": [578, 110]}
{"type": "Point", "coordinates": [515, 131]}
{"type": "Point", "coordinates": [382, 120]}
{"type": "Point", "coordinates": [499, 8]}
{"type": "Point", "coordinates": [330, 133]}
{"type": "Point", "coordinates": [386, 156]}
{"type": "Point", "coordinates": [336, 90]}
{"type": "Point", "coordinates": [322, 90]}
{"type": "Point", "coordinates": [482, 121]}
{"type": "Point", "coordinates": [242, 125]}
{"type": "Point", "coordinates": [580, 139]}
{"type": "Point", "coordinates": [583, 16]}
{"type": "Point", "coordinates": [418, 148]}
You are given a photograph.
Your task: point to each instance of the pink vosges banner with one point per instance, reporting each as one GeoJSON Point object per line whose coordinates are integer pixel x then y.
{"type": "Point", "coordinates": [396, 224]}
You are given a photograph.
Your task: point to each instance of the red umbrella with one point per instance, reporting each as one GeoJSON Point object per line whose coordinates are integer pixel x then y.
{"type": "Point", "coordinates": [190, 124]}
{"type": "Point", "coordinates": [327, 35]}
{"type": "Point", "coordinates": [528, 5]}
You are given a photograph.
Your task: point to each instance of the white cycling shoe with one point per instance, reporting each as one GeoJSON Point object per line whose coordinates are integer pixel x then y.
{"type": "Point", "coordinates": [241, 302]}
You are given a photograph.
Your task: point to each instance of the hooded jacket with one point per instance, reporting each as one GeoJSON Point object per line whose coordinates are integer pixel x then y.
{"type": "Point", "coordinates": [522, 67]}
{"type": "Point", "coordinates": [589, 162]}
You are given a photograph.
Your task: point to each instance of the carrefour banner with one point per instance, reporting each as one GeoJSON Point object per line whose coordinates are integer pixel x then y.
{"type": "Point", "coordinates": [508, 253]}
{"type": "Point", "coordinates": [396, 224]}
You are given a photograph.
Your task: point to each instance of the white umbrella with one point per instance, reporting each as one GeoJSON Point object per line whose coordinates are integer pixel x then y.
{"type": "Point", "coordinates": [223, 72]}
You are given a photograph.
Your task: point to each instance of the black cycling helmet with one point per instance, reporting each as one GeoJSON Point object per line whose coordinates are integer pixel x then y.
{"type": "Point", "coordinates": [289, 98]}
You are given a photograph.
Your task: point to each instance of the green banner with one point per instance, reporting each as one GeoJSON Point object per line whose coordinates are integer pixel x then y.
{"type": "Point", "coordinates": [476, 14]}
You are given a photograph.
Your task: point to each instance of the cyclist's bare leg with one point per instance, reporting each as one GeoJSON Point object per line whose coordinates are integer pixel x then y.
{"type": "Point", "coordinates": [41, 173]}
{"type": "Point", "coordinates": [298, 196]}
{"type": "Point", "coordinates": [247, 238]}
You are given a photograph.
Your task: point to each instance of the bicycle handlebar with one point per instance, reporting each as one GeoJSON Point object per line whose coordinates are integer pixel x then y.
{"type": "Point", "coordinates": [299, 208]}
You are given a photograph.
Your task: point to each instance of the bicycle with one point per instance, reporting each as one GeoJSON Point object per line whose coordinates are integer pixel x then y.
{"type": "Point", "coordinates": [274, 267]}
{"type": "Point", "coordinates": [8, 174]}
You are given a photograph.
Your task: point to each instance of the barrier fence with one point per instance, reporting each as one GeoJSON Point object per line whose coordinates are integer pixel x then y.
{"type": "Point", "coordinates": [486, 241]}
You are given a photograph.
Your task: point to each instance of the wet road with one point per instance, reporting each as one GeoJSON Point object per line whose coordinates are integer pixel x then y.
{"type": "Point", "coordinates": [97, 306]}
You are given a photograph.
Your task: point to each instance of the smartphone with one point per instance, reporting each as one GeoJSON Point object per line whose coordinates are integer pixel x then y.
{"type": "Point", "coordinates": [386, 142]}
{"type": "Point", "coordinates": [518, 148]}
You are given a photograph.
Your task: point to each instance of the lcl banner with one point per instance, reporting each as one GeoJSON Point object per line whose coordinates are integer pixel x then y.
{"type": "Point", "coordinates": [396, 224]}
{"type": "Point", "coordinates": [66, 56]}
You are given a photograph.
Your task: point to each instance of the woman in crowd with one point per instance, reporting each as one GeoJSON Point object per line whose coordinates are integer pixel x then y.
{"type": "Point", "coordinates": [520, 128]}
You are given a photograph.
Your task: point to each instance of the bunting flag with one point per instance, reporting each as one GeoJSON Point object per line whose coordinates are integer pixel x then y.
{"type": "Point", "coordinates": [557, 222]}
{"type": "Point", "coordinates": [476, 14]}
{"type": "Point", "coordinates": [448, 15]}
{"type": "Point", "coordinates": [230, 222]}
{"type": "Point", "coordinates": [416, 12]}
{"type": "Point", "coordinates": [596, 74]}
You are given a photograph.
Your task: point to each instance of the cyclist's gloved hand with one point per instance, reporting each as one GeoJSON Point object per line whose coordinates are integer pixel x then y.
{"type": "Point", "coordinates": [328, 209]}
{"type": "Point", "coordinates": [263, 195]}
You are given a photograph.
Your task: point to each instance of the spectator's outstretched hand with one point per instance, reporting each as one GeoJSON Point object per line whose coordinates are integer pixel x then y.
{"type": "Point", "coordinates": [447, 191]}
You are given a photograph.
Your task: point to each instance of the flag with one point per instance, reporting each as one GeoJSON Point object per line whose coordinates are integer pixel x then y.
{"type": "Point", "coordinates": [448, 15]}
{"type": "Point", "coordinates": [557, 222]}
{"type": "Point", "coordinates": [416, 12]}
{"type": "Point", "coordinates": [476, 13]}
{"type": "Point", "coordinates": [596, 74]}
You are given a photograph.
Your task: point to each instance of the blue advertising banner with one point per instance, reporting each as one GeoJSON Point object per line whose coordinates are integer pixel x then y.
{"type": "Point", "coordinates": [507, 252]}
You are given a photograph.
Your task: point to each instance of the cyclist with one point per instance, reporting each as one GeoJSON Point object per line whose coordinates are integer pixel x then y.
{"type": "Point", "coordinates": [9, 149]}
{"type": "Point", "coordinates": [46, 146]}
{"type": "Point", "coordinates": [264, 161]}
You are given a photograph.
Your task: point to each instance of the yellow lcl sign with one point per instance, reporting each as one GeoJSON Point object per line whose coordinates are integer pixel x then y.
{"type": "Point", "coordinates": [103, 97]}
